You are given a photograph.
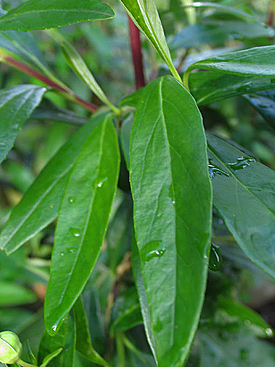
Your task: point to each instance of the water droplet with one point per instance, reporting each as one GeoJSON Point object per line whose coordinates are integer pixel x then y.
{"type": "Point", "coordinates": [241, 163]}
{"type": "Point", "coordinates": [216, 170]}
{"type": "Point", "coordinates": [61, 253]}
{"type": "Point", "coordinates": [102, 182]}
{"type": "Point", "coordinates": [70, 250]}
{"type": "Point", "coordinates": [155, 253]}
{"type": "Point", "coordinates": [75, 232]}
{"type": "Point", "coordinates": [244, 354]}
{"type": "Point", "coordinates": [54, 328]}
{"type": "Point", "coordinates": [173, 202]}
{"type": "Point", "coordinates": [70, 199]}
{"type": "Point", "coordinates": [247, 322]}
{"type": "Point", "coordinates": [215, 259]}
{"type": "Point", "coordinates": [269, 332]}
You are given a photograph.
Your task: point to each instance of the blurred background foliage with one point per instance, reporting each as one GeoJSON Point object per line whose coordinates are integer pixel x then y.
{"type": "Point", "coordinates": [193, 33]}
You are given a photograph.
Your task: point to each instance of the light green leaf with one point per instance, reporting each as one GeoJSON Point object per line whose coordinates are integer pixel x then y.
{"type": "Point", "coordinates": [82, 221]}
{"type": "Point", "coordinates": [145, 15]}
{"type": "Point", "coordinates": [50, 357]}
{"type": "Point", "coordinates": [78, 65]}
{"type": "Point", "coordinates": [12, 294]}
{"type": "Point", "coordinates": [43, 14]}
{"type": "Point", "coordinates": [172, 214]}
{"type": "Point", "coordinates": [83, 339]}
{"type": "Point", "coordinates": [244, 195]}
{"type": "Point", "coordinates": [64, 339]}
{"type": "Point", "coordinates": [16, 106]}
{"type": "Point", "coordinates": [41, 203]}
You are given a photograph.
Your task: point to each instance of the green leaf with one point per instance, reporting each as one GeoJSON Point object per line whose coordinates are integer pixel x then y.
{"type": "Point", "coordinates": [230, 312]}
{"type": "Point", "coordinates": [16, 106]}
{"type": "Point", "coordinates": [83, 339]}
{"type": "Point", "coordinates": [65, 339]}
{"type": "Point", "coordinates": [12, 294]}
{"type": "Point", "coordinates": [244, 195]}
{"type": "Point", "coordinates": [78, 65]}
{"type": "Point", "coordinates": [43, 14]}
{"type": "Point", "coordinates": [82, 221]}
{"type": "Point", "coordinates": [172, 215]}
{"type": "Point", "coordinates": [264, 103]}
{"type": "Point", "coordinates": [41, 203]}
{"type": "Point", "coordinates": [209, 87]}
{"type": "Point", "coordinates": [145, 15]}
{"type": "Point", "coordinates": [231, 350]}
{"type": "Point", "coordinates": [126, 312]}
{"type": "Point", "coordinates": [125, 132]}
{"type": "Point", "coordinates": [50, 357]}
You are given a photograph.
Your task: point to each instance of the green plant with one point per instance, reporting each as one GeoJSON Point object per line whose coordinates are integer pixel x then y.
{"type": "Point", "coordinates": [143, 309]}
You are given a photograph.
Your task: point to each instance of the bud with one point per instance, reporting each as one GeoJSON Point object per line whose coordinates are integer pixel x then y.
{"type": "Point", "coordinates": [10, 347]}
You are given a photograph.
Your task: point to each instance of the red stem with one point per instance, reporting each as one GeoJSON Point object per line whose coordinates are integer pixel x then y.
{"type": "Point", "coordinates": [136, 54]}
{"type": "Point", "coordinates": [30, 71]}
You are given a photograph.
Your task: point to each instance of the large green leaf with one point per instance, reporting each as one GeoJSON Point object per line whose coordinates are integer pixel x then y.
{"type": "Point", "coordinates": [16, 105]}
{"type": "Point", "coordinates": [82, 221]}
{"type": "Point", "coordinates": [244, 195]}
{"type": "Point", "coordinates": [145, 15]}
{"type": "Point", "coordinates": [41, 203]}
{"type": "Point", "coordinates": [249, 70]}
{"type": "Point", "coordinates": [43, 14]}
{"type": "Point", "coordinates": [65, 338]}
{"type": "Point", "coordinates": [172, 213]}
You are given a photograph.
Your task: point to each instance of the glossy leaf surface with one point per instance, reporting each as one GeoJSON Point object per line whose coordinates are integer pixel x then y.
{"type": "Point", "coordinates": [244, 195]}
{"type": "Point", "coordinates": [82, 221]}
{"type": "Point", "coordinates": [145, 15]}
{"type": "Point", "coordinates": [65, 338]}
{"type": "Point", "coordinates": [83, 339]}
{"type": "Point", "coordinates": [43, 14]}
{"type": "Point", "coordinates": [16, 106]}
{"type": "Point", "coordinates": [41, 203]}
{"type": "Point", "coordinates": [172, 214]}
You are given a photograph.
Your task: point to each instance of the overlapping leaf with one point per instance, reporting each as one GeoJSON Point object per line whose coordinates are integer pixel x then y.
{"type": "Point", "coordinates": [232, 74]}
{"type": "Point", "coordinates": [43, 14]}
{"type": "Point", "coordinates": [16, 106]}
{"type": "Point", "coordinates": [82, 221]}
{"type": "Point", "coordinates": [40, 204]}
{"type": "Point", "coordinates": [244, 195]}
{"type": "Point", "coordinates": [172, 214]}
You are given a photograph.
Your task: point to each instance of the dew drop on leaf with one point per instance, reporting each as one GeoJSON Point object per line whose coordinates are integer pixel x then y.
{"type": "Point", "coordinates": [75, 231]}
{"type": "Point", "coordinates": [215, 259]}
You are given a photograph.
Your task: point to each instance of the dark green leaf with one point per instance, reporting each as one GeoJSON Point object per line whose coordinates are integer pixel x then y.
{"type": "Point", "coordinates": [215, 259]}
{"type": "Point", "coordinates": [16, 105]}
{"type": "Point", "coordinates": [82, 221]}
{"type": "Point", "coordinates": [65, 338]}
{"type": "Point", "coordinates": [125, 133]}
{"type": "Point", "coordinates": [43, 14]}
{"type": "Point", "coordinates": [232, 350]}
{"type": "Point", "coordinates": [264, 103]}
{"type": "Point", "coordinates": [209, 87]}
{"type": "Point", "coordinates": [126, 312]}
{"type": "Point", "coordinates": [41, 203]}
{"type": "Point", "coordinates": [50, 357]}
{"type": "Point", "coordinates": [83, 339]}
{"type": "Point", "coordinates": [172, 213]}
{"type": "Point", "coordinates": [244, 195]}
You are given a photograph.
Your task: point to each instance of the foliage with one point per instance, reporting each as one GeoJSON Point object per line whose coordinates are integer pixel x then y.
{"type": "Point", "coordinates": [135, 231]}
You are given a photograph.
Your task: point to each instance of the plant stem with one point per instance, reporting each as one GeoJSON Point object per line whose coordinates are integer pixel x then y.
{"type": "Point", "coordinates": [25, 364]}
{"type": "Point", "coordinates": [136, 54]}
{"type": "Point", "coordinates": [66, 92]}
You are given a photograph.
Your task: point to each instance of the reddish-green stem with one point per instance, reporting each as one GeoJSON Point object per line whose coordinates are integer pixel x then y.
{"type": "Point", "coordinates": [136, 54]}
{"type": "Point", "coordinates": [67, 93]}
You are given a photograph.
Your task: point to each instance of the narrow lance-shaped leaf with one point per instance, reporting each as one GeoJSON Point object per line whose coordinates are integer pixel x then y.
{"type": "Point", "coordinates": [78, 65]}
{"type": "Point", "coordinates": [16, 106]}
{"type": "Point", "coordinates": [172, 214]}
{"type": "Point", "coordinates": [244, 195]}
{"type": "Point", "coordinates": [65, 338]}
{"type": "Point", "coordinates": [83, 338]}
{"type": "Point", "coordinates": [43, 14]}
{"type": "Point", "coordinates": [82, 221]}
{"type": "Point", "coordinates": [145, 15]}
{"type": "Point", "coordinates": [41, 202]}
